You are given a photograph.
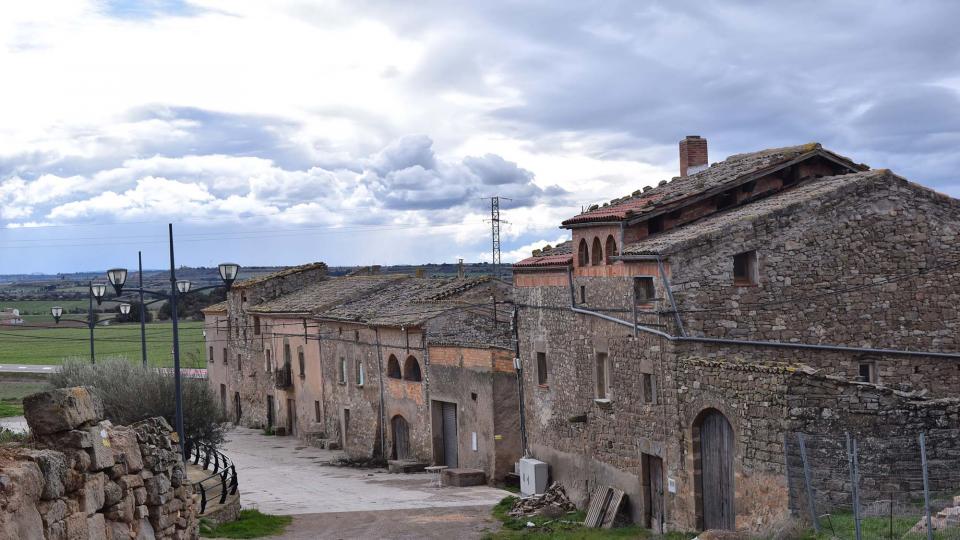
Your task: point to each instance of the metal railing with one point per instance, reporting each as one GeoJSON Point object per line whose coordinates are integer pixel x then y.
{"type": "Point", "coordinates": [223, 479]}
{"type": "Point", "coordinates": [284, 376]}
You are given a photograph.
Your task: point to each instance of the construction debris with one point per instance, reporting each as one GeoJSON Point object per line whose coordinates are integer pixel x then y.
{"type": "Point", "coordinates": [604, 508]}
{"type": "Point", "coordinates": [552, 503]}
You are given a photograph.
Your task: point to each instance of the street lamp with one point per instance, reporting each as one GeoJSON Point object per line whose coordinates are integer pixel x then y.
{"type": "Point", "coordinates": [124, 309]}
{"type": "Point", "coordinates": [57, 312]}
{"type": "Point", "coordinates": [96, 291]}
{"type": "Point", "coordinates": [117, 277]}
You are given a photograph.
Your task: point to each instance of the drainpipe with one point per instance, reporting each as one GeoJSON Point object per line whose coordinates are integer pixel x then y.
{"type": "Point", "coordinates": [383, 440]}
{"type": "Point", "coordinates": [673, 303]}
{"type": "Point", "coordinates": [518, 365]}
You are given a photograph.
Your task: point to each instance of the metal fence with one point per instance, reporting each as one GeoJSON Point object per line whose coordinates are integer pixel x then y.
{"type": "Point", "coordinates": [906, 486]}
{"type": "Point", "coordinates": [220, 483]}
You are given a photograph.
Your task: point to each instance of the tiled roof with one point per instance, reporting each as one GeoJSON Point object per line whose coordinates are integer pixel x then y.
{"type": "Point", "coordinates": [562, 254]}
{"type": "Point", "coordinates": [219, 307]}
{"type": "Point", "coordinates": [727, 171]}
{"type": "Point", "coordinates": [744, 216]}
{"type": "Point", "coordinates": [325, 294]}
{"type": "Point", "coordinates": [282, 273]}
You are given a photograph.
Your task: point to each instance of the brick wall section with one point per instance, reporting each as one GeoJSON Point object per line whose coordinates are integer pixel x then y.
{"type": "Point", "coordinates": [693, 153]}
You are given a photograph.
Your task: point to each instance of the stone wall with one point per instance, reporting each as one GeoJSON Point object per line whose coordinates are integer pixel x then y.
{"type": "Point", "coordinates": [81, 477]}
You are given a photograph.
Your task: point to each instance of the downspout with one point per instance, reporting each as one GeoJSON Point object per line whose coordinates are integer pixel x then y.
{"type": "Point", "coordinates": [673, 303]}
{"type": "Point", "coordinates": [383, 440]}
{"type": "Point", "coordinates": [518, 365]}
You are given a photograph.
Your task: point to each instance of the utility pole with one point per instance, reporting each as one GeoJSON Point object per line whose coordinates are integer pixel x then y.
{"type": "Point", "coordinates": [495, 233]}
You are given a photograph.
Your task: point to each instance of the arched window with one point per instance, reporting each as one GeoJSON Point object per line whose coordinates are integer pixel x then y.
{"type": "Point", "coordinates": [583, 256]}
{"type": "Point", "coordinates": [596, 254]}
{"type": "Point", "coordinates": [411, 369]}
{"type": "Point", "coordinates": [610, 249]}
{"type": "Point", "coordinates": [393, 368]}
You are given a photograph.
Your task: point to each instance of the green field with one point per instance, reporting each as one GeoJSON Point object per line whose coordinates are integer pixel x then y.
{"type": "Point", "coordinates": [34, 311]}
{"type": "Point", "coordinates": [52, 345]}
{"type": "Point", "coordinates": [12, 394]}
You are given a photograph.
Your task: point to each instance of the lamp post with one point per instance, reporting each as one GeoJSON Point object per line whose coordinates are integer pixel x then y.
{"type": "Point", "coordinates": [118, 276]}
{"type": "Point", "coordinates": [96, 292]}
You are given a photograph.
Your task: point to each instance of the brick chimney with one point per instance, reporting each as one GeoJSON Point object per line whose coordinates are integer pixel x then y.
{"type": "Point", "coordinates": [693, 155]}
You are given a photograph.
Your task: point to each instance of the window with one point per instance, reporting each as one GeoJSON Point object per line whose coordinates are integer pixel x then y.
{"type": "Point", "coordinates": [225, 361]}
{"type": "Point", "coordinates": [316, 411]}
{"type": "Point", "coordinates": [726, 200]}
{"type": "Point", "coordinates": [610, 249]}
{"type": "Point", "coordinates": [649, 388]}
{"type": "Point", "coordinates": [229, 327]}
{"type": "Point", "coordinates": [745, 269]}
{"type": "Point", "coordinates": [302, 362]}
{"type": "Point", "coordinates": [603, 376]}
{"type": "Point", "coordinates": [211, 355]}
{"type": "Point", "coordinates": [596, 254]}
{"type": "Point", "coordinates": [269, 361]}
{"type": "Point", "coordinates": [583, 294]}
{"type": "Point", "coordinates": [343, 370]}
{"type": "Point", "coordinates": [287, 359]}
{"type": "Point", "coordinates": [868, 372]}
{"type": "Point", "coordinates": [655, 225]}
{"type": "Point", "coordinates": [239, 363]}
{"type": "Point", "coordinates": [583, 255]}
{"type": "Point", "coordinates": [359, 372]}
{"type": "Point", "coordinates": [356, 335]}
{"type": "Point", "coordinates": [256, 325]}
{"type": "Point", "coordinates": [643, 289]}
{"type": "Point", "coordinates": [541, 368]}
{"type": "Point", "coordinates": [393, 368]}
{"type": "Point", "coordinates": [411, 369]}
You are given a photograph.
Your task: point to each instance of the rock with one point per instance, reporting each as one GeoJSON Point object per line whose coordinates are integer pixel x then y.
{"type": "Point", "coordinates": [157, 489]}
{"type": "Point", "coordinates": [52, 511]}
{"type": "Point", "coordinates": [61, 409]}
{"type": "Point", "coordinates": [53, 465]}
{"type": "Point", "coordinates": [145, 530]}
{"type": "Point", "coordinates": [77, 526]}
{"type": "Point", "coordinates": [21, 484]}
{"type": "Point", "coordinates": [91, 495]}
{"type": "Point", "coordinates": [119, 531]}
{"type": "Point", "coordinates": [123, 440]}
{"type": "Point", "coordinates": [101, 454]}
{"type": "Point", "coordinates": [96, 527]}
{"type": "Point", "coordinates": [112, 493]}
{"type": "Point", "coordinates": [122, 511]}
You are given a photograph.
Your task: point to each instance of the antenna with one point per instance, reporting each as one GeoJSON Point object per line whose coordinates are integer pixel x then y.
{"type": "Point", "coordinates": [495, 222]}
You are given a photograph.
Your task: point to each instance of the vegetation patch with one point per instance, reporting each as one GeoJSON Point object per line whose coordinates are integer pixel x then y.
{"type": "Point", "coordinates": [12, 394]}
{"type": "Point", "coordinates": [252, 524]}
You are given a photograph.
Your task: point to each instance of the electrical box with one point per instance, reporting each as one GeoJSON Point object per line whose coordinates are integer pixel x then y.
{"type": "Point", "coordinates": [533, 477]}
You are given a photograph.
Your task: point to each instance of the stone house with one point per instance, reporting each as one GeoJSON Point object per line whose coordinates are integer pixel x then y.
{"type": "Point", "coordinates": [686, 329]}
{"type": "Point", "coordinates": [413, 370]}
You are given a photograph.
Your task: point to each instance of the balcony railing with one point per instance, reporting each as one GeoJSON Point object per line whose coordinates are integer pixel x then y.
{"type": "Point", "coordinates": [284, 376]}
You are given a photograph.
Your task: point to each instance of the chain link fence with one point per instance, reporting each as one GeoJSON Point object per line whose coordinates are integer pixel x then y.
{"type": "Point", "coordinates": [906, 486]}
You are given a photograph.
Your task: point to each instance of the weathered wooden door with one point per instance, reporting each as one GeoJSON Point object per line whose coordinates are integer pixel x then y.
{"type": "Point", "coordinates": [716, 458]}
{"type": "Point", "coordinates": [291, 417]}
{"type": "Point", "coordinates": [401, 438]}
{"type": "Point", "coordinates": [655, 465]}
{"type": "Point", "coordinates": [236, 406]}
{"type": "Point", "coordinates": [449, 415]}
{"type": "Point", "coordinates": [270, 419]}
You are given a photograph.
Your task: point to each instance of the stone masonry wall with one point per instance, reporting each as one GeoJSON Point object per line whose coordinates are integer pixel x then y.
{"type": "Point", "coordinates": [82, 477]}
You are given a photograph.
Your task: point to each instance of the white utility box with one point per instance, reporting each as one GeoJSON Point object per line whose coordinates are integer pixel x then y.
{"type": "Point", "coordinates": [533, 477]}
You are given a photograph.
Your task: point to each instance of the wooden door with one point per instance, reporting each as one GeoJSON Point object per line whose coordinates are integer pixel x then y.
{"type": "Point", "coordinates": [236, 406]}
{"type": "Point", "coordinates": [450, 450]}
{"type": "Point", "coordinates": [401, 438]}
{"type": "Point", "coordinates": [655, 494]}
{"type": "Point", "coordinates": [345, 431]}
{"type": "Point", "coordinates": [716, 458]}
{"type": "Point", "coordinates": [270, 419]}
{"type": "Point", "coordinates": [291, 417]}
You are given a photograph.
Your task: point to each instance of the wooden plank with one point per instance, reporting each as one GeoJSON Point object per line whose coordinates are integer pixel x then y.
{"type": "Point", "coordinates": [613, 507]}
{"type": "Point", "coordinates": [598, 503]}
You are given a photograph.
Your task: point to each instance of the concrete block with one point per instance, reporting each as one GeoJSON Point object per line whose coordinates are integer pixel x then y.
{"type": "Point", "coordinates": [464, 477]}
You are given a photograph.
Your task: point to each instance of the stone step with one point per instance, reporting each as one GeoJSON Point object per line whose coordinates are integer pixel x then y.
{"type": "Point", "coordinates": [464, 477]}
{"type": "Point", "coordinates": [405, 466]}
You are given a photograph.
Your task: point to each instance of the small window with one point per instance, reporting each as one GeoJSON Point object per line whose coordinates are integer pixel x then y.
{"type": "Point", "coordinates": [868, 372]}
{"type": "Point", "coordinates": [269, 361]}
{"type": "Point", "coordinates": [343, 370]}
{"type": "Point", "coordinates": [411, 369]}
{"type": "Point", "coordinates": [541, 368]}
{"type": "Point", "coordinates": [726, 200]}
{"type": "Point", "coordinates": [649, 388]}
{"type": "Point", "coordinates": [643, 290]}
{"type": "Point", "coordinates": [583, 294]}
{"type": "Point", "coordinates": [356, 335]}
{"type": "Point", "coordinates": [655, 225]}
{"type": "Point", "coordinates": [211, 355]}
{"type": "Point", "coordinates": [603, 376]}
{"type": "Point", "coordinates": [302, 362]}
{"type": "Point", "coordinates": [745, 269]}
{"type": "Point", "coordinates": [239, 363]}
{"type": "Point", "coordinates": [225, 359]}
{"type": "Point", "coordinates": [359, 372]}
{"type": "Point", "coordinates": [256, 325]}
{"type": "Point", "coordinates": [473, 396]}
{"type": "Point", "coordinates": [596, 253]}
{"type": "Point", "coordinates": [316, 411]}
{"type": "Point", "coordinates": [610, 250]}
{"type": "Point", "coordinates": [393, 368]}
{"type": "Point", "coordinates": [287, 359]}
{"type": "Point", "coordinates": [583, 253]}
{"type": "Point", "coordinates": [229, 327]}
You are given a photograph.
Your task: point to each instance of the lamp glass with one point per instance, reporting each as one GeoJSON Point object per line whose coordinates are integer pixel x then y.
{"type": "Point", "coordinates": [183, 286]}
{"type": "Point", "coordinates": [56, 311]}
{"type": "Point", "coordinates": [117, 276]}
{"type": "Point", "coordinates": [125, 309]}
{"type": "Point", "coordinates": [228, 271]}
{"type": "Point", "coordinates": [98, 289]}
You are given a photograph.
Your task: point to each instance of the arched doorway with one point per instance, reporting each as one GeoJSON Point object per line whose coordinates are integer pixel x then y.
{"type": "Point", "coordinates": [714, 448]}
{"type": "Point", "coordinates": [401, 438]}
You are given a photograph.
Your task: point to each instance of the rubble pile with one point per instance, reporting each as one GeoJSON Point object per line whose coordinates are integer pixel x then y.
{"type": "Point", "coordinates": [947, 518]}
{"type": "Point", "coordinates": [83, 477]}
{"type": "Point", "coordinates": [553, 502]}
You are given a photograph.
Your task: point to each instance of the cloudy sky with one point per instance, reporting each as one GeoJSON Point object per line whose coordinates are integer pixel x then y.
{"type": "Point", "coordinates": [363, 132]}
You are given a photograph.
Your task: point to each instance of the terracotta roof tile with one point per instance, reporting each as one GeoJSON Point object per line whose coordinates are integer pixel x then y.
{"type": "Point", "coordinates": [560, 255]}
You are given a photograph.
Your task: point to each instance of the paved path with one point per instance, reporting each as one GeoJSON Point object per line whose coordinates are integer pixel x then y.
{"type": "Point", "coordinates": [14, 423]}
{"type": "Point", "coordinates": [280, 475]}
{"type": "Point", "coordinates": [18, 368]}
{"type": "Point", "coordinates": [463, 522]}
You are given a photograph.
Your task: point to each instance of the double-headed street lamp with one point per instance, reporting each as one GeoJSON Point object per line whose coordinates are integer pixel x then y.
{"type": "Point", "coordinates": [118, 277]}
{"type": "Point", "coordinates": [96, 292]}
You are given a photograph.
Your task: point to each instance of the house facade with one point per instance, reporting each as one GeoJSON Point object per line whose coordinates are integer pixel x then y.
{"type": "Point", "coordinates": [416, 371]}
{"type": "Point", "coordinates": [685, 330]}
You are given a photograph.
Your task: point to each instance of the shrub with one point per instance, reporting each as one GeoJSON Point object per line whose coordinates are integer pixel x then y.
{"type": "Point", "coordinates": [131, 392]}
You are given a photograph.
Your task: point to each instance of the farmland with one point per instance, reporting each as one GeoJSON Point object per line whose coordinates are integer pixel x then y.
{"type": "Point", "coordinates": [52, 345]}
